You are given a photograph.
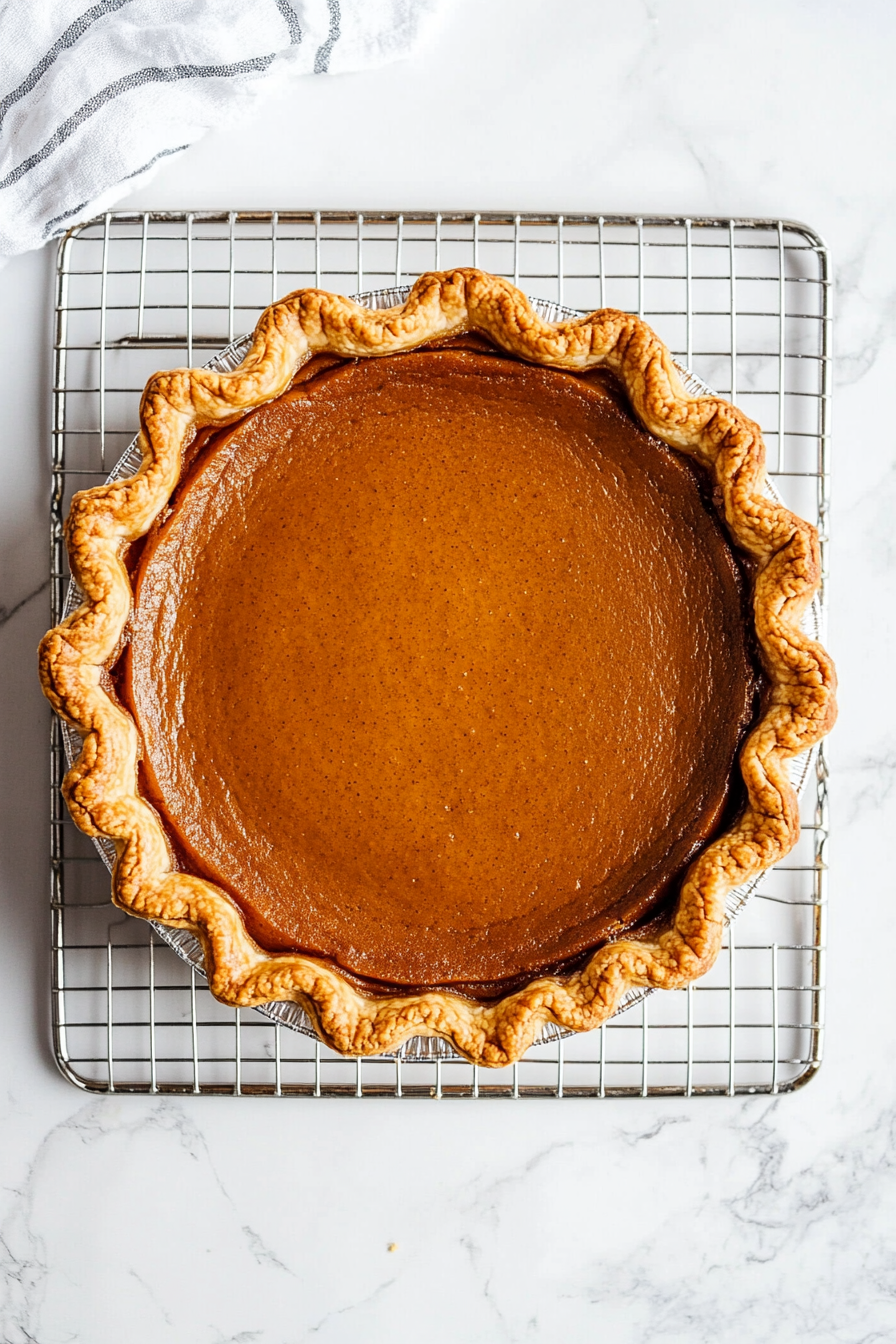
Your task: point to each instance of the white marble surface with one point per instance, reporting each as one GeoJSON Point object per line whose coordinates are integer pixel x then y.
{"type": "Point", "coordinates": [146, 1221]}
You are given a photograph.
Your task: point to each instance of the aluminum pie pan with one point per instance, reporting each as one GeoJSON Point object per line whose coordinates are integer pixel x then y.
{"type": "Point", "coordinates": [184, 943]}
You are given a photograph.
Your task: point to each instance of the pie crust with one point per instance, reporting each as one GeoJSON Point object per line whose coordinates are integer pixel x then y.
{"type": "Point", "coordinates": [102, 788]}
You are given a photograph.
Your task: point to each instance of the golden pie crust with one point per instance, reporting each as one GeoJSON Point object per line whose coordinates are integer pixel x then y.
{"type": "Point", "coordinates": [102, 789]}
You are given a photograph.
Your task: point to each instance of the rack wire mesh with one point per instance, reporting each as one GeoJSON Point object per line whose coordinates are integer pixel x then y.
{"type": "Point", "coordinates": [742, 303]}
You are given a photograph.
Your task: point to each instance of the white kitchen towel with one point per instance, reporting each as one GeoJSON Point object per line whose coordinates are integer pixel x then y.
{"type": "Point", "coordinates": [92, 98]}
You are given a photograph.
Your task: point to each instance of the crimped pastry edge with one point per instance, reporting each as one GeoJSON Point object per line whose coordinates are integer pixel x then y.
{"type": "Point", "coordinates": [101, 787]}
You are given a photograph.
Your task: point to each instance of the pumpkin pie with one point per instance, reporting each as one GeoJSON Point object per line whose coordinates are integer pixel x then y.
{"type": "Point", "coordinates": [441, 666]}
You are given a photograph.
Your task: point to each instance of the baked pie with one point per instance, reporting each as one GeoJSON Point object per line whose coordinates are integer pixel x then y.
{"type": "Point", "coordinates": [441, 667]}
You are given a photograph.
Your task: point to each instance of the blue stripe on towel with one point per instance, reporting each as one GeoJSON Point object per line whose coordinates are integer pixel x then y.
{"type": "Point", "coordinates": [325, 50]}
{"type": "Point", "coordinates": [68, 39]}
{"type": "Point", "coordinates": [151, 75]}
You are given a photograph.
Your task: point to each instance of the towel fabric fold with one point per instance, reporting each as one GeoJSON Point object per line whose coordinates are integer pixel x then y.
{"type": "Point", "coordinates": [93, 98]}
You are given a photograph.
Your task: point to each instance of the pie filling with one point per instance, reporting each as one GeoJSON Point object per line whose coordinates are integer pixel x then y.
{"type": "Point", "coordinates": [441, 665]}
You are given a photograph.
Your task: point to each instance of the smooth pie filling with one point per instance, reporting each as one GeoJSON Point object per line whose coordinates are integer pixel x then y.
{"type": "Point", "coordinates": [440, 664]}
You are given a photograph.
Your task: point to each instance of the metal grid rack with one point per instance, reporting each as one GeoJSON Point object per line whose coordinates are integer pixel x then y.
{"type": "Point", "coordinates": [745, 305]}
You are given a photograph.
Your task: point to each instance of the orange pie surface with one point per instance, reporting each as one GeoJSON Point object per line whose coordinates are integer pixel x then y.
{"type": "Point", "coordinates": [441, 666]}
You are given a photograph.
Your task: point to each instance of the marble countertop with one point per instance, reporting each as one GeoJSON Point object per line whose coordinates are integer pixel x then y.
{"type": "Point", "coordinates": [215, 1219]}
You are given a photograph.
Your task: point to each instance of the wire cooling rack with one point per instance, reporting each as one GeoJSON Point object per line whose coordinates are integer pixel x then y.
{"type": "Point", "coordinates": [745, 305]}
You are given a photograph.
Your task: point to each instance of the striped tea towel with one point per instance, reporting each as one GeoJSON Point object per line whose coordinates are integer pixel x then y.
{"type": "Point", "coordinates": [92, 97]}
